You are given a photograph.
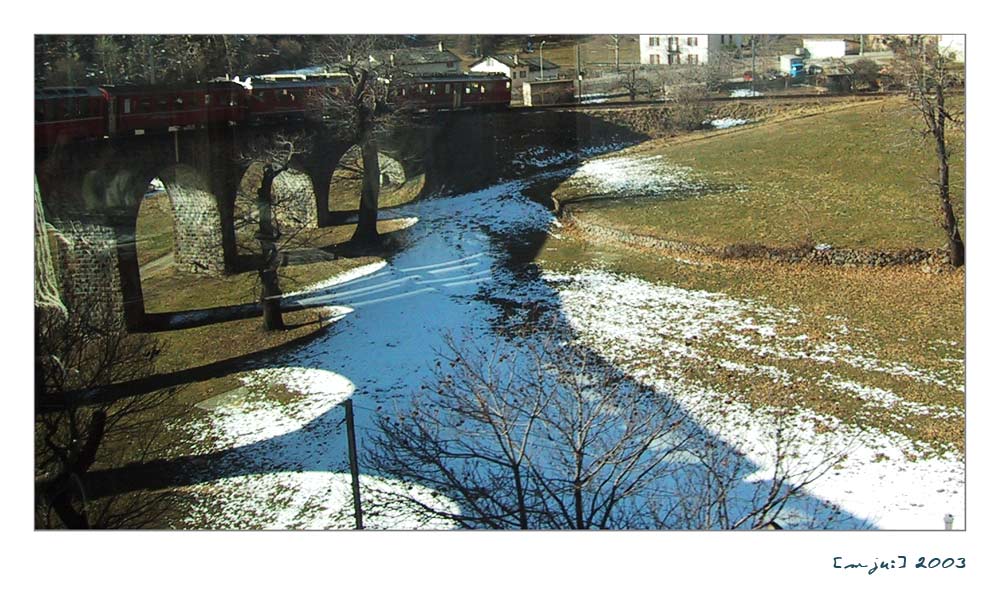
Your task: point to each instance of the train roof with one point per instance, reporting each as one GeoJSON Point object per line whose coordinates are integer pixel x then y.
{"type": "Point", "coordinates": [68, 92]}
{"type": "Point", "coordinates": [200, 86]}
{"type": "Point", "coordinates": [463, 78]}
{"type": "Point", "coordinates": [295, 83]}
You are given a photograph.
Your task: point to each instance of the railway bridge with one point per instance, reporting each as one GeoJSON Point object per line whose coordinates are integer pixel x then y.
{"type": "Point", "coordinates": [91, 191]}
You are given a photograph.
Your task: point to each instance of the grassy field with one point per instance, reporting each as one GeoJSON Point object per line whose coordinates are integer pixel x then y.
{"type": "Point", "coordinates": [893, 316]}
{"type": "Point", "coordinates": [172, 290]}
{"type": "Point", "coordinates": [850, 176]}
{"type": "Point", "coordinates": [345, 192]}
{"type": "Point", "coordinates": [155, 229]}
{"type": "Point", "coordinates": [854, 177]}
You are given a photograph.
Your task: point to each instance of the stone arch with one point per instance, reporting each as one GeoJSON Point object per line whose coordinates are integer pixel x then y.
{"type": "Point", "coordinates": [345, 182]}
{"type": "Point", "coordinates": [296, 206]}
{"type": "Point", "coordinates": [94, 213]}
{"type": "Point", "coordinates": [198, 222]}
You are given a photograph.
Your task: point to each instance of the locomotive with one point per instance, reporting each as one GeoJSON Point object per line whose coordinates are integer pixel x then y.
{"type": "Point", "coordinates": [71, 114]}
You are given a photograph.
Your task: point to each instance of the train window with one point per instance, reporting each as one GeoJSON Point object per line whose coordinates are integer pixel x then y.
{"type": "Point", "coordinates": [433, 90]}
{"type": "Point", "coordinates": [127, 107]}
{"type": "Point", "coordinates": [447, 87]}
{"type": "Point", "coordinates": [467, 89]}
{"type": "Point", "coordinates": [482, 89]}
{"type": "Point", "coordinates": [208, 99]}
{"type": "Point", "coordinates": [39, 111]}
{"type": "Point", "coordinates": [508, 85]}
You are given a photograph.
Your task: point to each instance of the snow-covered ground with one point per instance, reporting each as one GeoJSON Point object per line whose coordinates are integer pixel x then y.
{"type": "Point", "coordinates": [726, 123]}
{"type": "Point", "coordinates": [284, 461]}
{"type": "Point", "coordinates": [880, 481]}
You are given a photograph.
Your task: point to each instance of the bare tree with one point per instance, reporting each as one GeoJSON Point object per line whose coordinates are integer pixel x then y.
{"type": "Point", "coordinates": [81, 346]}
{"type": "Point", "coordinates": [635, 84]}
{"type": "Point", "coordinates": [863, 74]}
{"type": "Point", "coordinates": [930, 77]}
{"type": "Point", "coordinates": [615, 43]}
{"type": "Point", "coordinates": [274, 220]}
{"type": "Point", "coordinates": [686, 89]}
{"type": "Point", "coordinates": [368, 107]}
{"type": "Point", "coordinates": [545, 435]}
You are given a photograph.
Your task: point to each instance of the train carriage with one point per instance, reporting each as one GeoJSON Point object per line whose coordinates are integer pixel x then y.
{"type": "Point", "coordinates": [486, 91]}
{"type": "Point", "coordinates": [68, 114]}
{"type": "Point", "coordinates": [138, 110]}
{"type": "Point", "coordinates": [457, 91]}
{"type": "Point", "coordinates": [285, 99]}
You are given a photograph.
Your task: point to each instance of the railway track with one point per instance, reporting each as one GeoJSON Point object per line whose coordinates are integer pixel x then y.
{"type": "Point", "coordinates": [653, 103]}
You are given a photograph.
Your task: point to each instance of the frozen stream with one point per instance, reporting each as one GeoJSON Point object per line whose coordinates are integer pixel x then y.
{"type": "Point", "coordinates": [285, 464]}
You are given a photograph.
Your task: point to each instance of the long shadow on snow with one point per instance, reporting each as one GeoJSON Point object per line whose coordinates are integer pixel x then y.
{"type": "Point", "coordinates": [457, 275]}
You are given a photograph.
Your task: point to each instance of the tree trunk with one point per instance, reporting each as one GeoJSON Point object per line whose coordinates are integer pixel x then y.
{"type": "Point", "coordinates": [366, 233]}
{"type": "Point", "coordinates": [267, 236]}
{"type": "Point", "coordinates": [956, 248]}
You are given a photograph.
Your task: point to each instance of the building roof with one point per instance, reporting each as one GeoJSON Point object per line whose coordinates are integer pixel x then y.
{"type": "Point", "coordinates": [404, 56]}
{"type": "Point", "coordinates": [508, 60]}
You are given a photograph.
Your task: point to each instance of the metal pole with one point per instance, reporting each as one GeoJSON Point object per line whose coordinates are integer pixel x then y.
{"type": "Point", "coordinates": [579, 75]}
{"type": "Point", "coordinates": [352, 458]}
{"type": "Point", "coordinates": [753, 61]}
{"type": "Point", "coordinates": [541, 60]}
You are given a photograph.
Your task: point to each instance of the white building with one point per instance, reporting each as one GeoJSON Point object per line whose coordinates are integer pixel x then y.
{"type": "Point", "coordinates": [952, 44]}
{"type": "Point", "coordinates": [684, 48]}
{"type": "Point", "coordinates": [517, 68]}
{"type": "Point", "coordinates": [819, 48]}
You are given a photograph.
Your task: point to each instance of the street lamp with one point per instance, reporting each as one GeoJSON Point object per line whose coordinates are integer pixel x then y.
{"type": "Point", "coordinates": [541, 60]}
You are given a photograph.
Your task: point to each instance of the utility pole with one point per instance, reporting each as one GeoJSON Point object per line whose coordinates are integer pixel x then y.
{"type": "Point", "coordinates": [541, 60]}
{"type": "Point", "coordinates": [352, 458]}
{"type": "Point", "coordinates": [753, 62]}
{"type": "Point", "coordinates": [579, 75]}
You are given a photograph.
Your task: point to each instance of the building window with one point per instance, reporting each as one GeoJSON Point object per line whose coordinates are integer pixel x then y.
{"type": "Point", "coordinates": [654, 59]}
{"type": "Point", "coordinates": [654, 41]}
{"type": "Point", "coordinates": [692, 41]}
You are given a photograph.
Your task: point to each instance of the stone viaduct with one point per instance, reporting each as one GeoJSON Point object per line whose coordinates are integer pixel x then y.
{"type": "Point", "coordinates": [91, 191]}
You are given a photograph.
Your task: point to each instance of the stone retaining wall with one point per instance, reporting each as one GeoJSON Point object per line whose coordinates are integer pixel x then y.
{"type": "Point", "coordinates": [656, 120]}
{"type": "Point", "coordinates": [935, 259]}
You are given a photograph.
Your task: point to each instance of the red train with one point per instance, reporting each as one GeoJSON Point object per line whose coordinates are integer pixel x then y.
{"type": "Point", "coordinates": [459, 91]}
{"type": "Point", "coordinates": [69, 114]}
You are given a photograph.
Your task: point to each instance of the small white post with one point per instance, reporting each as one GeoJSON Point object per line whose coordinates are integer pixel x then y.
{"type": "Point", "coordinates": [949, 519]}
